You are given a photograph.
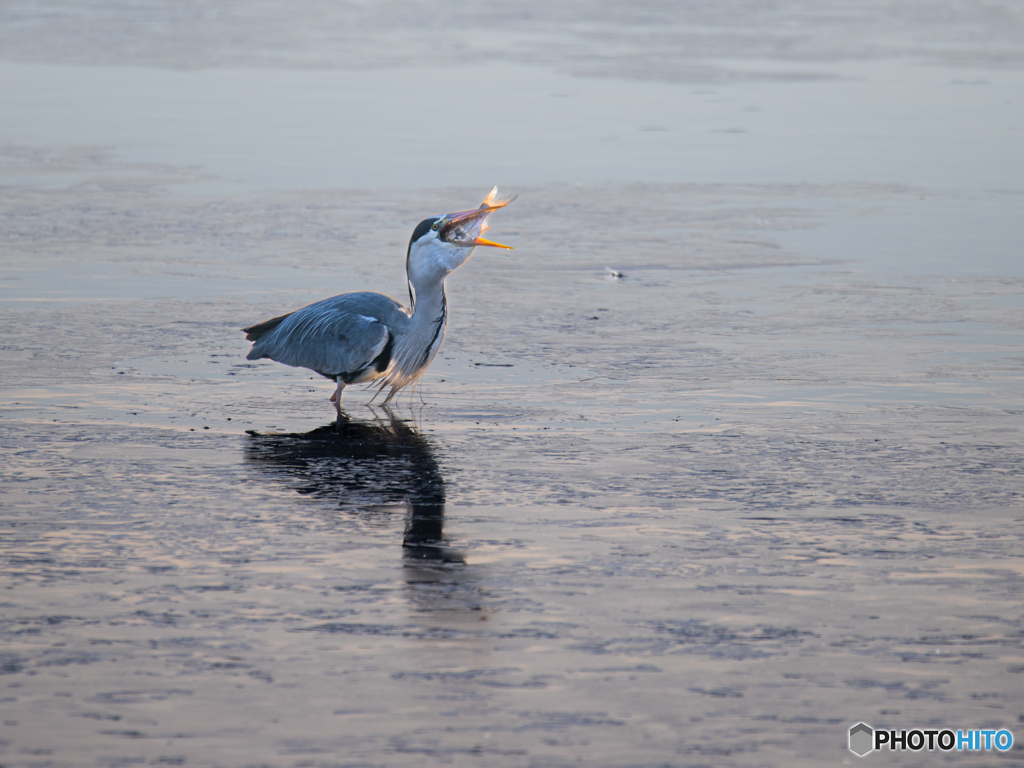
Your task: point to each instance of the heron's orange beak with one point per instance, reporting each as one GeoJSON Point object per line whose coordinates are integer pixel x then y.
{"type": "Point", "coordinates": [466, 227]}
{"type": "Point", "coordinates": [481, 241]}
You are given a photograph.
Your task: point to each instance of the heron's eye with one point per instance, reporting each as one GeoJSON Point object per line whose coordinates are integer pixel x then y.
{"type": "Point", "coordinates": [437, 226]}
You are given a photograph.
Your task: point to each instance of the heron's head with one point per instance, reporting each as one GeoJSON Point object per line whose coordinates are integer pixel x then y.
{"type": "Point", "coordinates": [441, 244]}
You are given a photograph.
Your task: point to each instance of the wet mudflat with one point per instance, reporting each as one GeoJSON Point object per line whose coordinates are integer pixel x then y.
{"type": "Point", "coordinates": [765, 484]}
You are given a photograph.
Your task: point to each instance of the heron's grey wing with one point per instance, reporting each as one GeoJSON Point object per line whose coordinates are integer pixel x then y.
{"type": "Point", "coordinates": [338, 336]}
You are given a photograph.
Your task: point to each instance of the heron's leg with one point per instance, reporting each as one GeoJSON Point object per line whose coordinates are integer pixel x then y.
{"type": "Point", "coordinates": [391, 394]}
{"type": "Point", "coordinates": [337, 397]}
{"type": "Point", "coordinates": [377, 393]}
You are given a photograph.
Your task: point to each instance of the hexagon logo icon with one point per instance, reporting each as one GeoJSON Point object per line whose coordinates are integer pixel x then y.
{"type": "Point", "coordinates": [862, 739]}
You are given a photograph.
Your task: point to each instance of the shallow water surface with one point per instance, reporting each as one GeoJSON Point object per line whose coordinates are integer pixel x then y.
{"type": "Point", "coordinates": [724, 458]}
{"type": "Point", "coordinates": [302, 129]}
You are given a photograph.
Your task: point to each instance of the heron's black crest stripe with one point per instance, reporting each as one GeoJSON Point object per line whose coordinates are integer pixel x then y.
{"type": "Point", "coordinates": [437, 328]}
{"type": "Point", "coordinates": [421, 229]}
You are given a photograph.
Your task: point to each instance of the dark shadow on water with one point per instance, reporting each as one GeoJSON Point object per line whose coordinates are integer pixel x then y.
{"type": "Point", "coordinates": [363, 465]}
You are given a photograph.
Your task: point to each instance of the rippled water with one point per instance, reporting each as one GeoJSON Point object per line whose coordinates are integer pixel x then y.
{"type": "Point", "coordinates": [761, 486]}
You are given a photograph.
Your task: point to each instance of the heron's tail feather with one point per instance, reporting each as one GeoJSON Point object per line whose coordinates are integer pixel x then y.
{"type": "Point", "coordinates": [258, 331]}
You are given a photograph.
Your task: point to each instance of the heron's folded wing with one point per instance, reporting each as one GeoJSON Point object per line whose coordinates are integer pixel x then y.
{"type": "Point", "coordinates": [328, 339]}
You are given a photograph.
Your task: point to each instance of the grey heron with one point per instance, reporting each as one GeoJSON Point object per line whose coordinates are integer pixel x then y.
{"type": "Point", "coordinates": [362, 337]}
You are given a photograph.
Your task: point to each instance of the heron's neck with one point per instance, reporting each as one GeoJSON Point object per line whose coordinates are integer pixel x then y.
{"type": "Point", "coordinates": [430, 299]}
{"type": "Point", "coordinates": [420, 343]}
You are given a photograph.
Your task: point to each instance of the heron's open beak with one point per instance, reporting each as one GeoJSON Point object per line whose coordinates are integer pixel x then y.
{"type": "Point", "coordinates": [466, 227]}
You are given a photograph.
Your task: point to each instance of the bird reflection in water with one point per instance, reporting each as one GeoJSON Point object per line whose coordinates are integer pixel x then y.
{"type": "Point", "coordinates": [361, 465]}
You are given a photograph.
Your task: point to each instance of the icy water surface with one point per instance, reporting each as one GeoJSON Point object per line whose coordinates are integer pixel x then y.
{"type": "Point", "coordinates": [724, 458]}
{"type": "Point", "coordinates": [528, 125]}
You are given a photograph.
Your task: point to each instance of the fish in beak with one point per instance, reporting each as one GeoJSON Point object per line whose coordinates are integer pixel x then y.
{"type": "Point", "coordinates": [466, 228]}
